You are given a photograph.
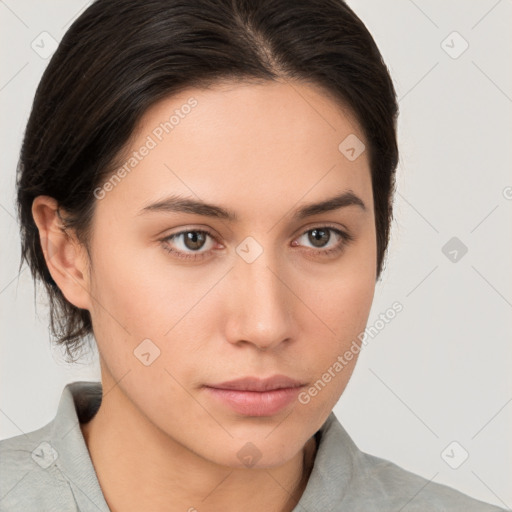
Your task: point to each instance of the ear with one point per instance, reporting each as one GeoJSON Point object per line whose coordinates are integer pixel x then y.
{"type": "Point", "coordinates": [65, 257]}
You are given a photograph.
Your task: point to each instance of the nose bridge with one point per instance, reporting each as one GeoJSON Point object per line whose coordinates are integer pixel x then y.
{"type": "Point", "coordinates": [261, 301]}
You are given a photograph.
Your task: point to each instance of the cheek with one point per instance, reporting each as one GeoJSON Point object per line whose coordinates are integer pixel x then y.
{"type": "Point", "coordinates": [332, 353]}
{"type": "Point", "coordinates": [139, 292]}
{"type": "Point", "coordinates": [344, 316]}
{"type": "Point", "coordinates": [342, 294]}
{"type": "Point", "coordinates": [139, 300]}
{"type": "Point", "coordinates": [340, 307]}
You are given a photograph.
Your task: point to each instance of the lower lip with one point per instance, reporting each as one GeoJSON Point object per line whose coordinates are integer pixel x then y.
{"type": "Point", "coordinates": [256, 403]}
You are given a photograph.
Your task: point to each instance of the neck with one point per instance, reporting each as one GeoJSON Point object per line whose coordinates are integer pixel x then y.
{"type": "Point", "coordinates": [139, 467]}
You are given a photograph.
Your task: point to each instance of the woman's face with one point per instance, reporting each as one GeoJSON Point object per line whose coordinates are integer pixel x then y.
{"type": "Point", "coordinates": [186, 296]}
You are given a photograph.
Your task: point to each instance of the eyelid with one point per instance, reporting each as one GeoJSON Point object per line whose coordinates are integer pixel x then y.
{"type": "Point", "coordinates": [344, 234]}
{"type": "Point", "coordinates": [318, 225]}
{"type": "Point", "coordinates": [188, 229]}
{"type": "Point", "coordinates": [206, 231]}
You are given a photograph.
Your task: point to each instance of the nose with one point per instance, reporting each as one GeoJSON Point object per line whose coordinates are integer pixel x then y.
{"type": "Point", "coordinates": [261, 305]}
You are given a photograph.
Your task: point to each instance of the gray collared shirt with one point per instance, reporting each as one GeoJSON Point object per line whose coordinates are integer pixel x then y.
{"type": "Point", "coordinates": [50, 469]}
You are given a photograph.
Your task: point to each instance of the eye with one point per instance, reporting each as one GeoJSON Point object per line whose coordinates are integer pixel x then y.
{"type": "Point", "coordinates": [325, 240]}
{"type": "Point", "coordinates": [197, 244]}
{"type": "Point", "coordinates": [188, 244]}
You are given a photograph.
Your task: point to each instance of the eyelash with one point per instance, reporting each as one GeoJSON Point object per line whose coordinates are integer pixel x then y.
{"type": "Point", "coordinates": [346, 238]}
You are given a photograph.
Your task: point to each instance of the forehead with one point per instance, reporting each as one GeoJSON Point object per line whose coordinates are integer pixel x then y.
{"type": "Point", "coordinates": [252, 144]}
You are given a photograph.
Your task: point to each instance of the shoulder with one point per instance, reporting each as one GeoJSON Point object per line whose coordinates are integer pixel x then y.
{"type": "Point", "coordinates": [403, 490]}
{"type": "Point", "coordinates": [29, 477]}
{"type": "Point", "coordinates": [347, 478]}
{"type": "Point", "coordinates": [50, 468]}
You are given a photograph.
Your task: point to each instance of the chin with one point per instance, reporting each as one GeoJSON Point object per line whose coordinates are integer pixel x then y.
{"type": "Point", "coordinates": [259, 451]}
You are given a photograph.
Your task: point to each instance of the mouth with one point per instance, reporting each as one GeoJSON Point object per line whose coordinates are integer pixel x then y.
{"type": "Point", "coordinates": [252, 396]}
{"type": "Point", "coordinates": [257, 384]}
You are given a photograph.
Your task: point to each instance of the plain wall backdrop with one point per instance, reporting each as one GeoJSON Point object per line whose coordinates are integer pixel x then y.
{"type": "Point", "coordinates": [432, 386]}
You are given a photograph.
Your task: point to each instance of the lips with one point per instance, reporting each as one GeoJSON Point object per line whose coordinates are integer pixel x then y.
{"type": "Point", "coordinates": [252, 396]}
{"type": "Point", "coordinates": [257, 384]}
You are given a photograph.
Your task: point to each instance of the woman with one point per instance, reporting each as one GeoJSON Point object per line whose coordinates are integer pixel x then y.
{"type": "Point", "coordinates": [206, 188]}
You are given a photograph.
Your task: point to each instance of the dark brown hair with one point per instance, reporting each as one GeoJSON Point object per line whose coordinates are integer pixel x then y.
{"type": "Point", "coordinates": [122, 56]}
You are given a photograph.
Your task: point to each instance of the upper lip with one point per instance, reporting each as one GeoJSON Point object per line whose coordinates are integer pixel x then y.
{"type": "Point", "coordinates": [258, 384]}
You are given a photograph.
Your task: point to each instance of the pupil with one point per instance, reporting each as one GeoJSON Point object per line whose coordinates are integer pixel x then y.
{"type": "Point", "coordinates": [194, 240]}
{"type": "Point", "coordinates": [319, 235]}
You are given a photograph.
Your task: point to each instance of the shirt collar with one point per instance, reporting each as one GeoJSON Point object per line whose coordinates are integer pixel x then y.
{"type": "Point", "coordinates": [78, 399]}
{"type": "Point", "coordinates": [332, 470]}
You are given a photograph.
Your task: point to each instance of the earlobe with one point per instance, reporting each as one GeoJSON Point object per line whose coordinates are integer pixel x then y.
{"type": "Point", "coordinates": [65, 257]}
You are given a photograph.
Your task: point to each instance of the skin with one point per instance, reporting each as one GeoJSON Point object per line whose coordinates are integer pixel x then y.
{"type": "Point", "coordinates": [159, 440]}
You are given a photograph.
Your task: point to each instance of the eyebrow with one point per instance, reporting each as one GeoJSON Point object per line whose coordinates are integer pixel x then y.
{"type": "Point", "coordinates": [176, 203]}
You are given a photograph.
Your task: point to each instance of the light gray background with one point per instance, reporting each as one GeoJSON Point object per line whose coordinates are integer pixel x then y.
{"type": "Point", "coordinates": [440, 371]}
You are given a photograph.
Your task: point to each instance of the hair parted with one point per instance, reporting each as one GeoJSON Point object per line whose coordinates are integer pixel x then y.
{"type": "Point", "coordinates": [120, 57]}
